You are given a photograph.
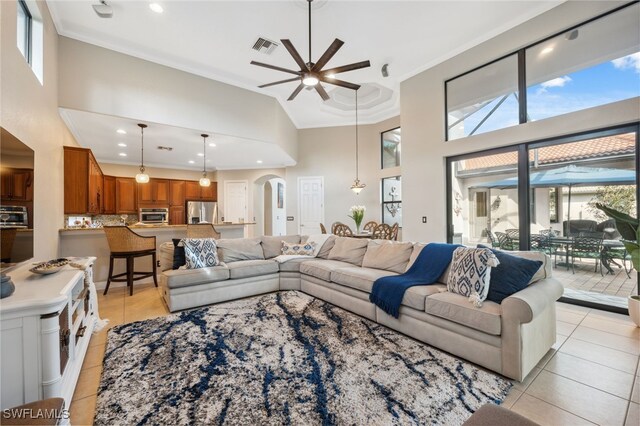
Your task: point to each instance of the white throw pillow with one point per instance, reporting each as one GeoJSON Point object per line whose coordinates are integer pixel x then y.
{"type": "Point", "coordinates": [470, 273]}
{"type": "Point", "coordinates": [200, 252]}
{"type": "Point", "coordinates": [304, 249]}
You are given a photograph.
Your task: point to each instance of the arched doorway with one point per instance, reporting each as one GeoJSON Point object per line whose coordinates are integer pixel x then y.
{"type": "Point", "coordinates": [270, 205]}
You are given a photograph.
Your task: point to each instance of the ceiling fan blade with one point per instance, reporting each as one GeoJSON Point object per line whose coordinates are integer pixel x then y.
{"type": "Point", "coordinates": [296, 56]}
{"type": "Point", "coordinates": [323, 93]}
{"type": "Point", "coordinates": [328, 54]}
{"type": "Point", "coordinates": [280, 82]}
{"type": "Point", "coordinates": [273, 67]}
{"type": "Point", "coordinates": [340, 83]}
{"type": "Point", "coordinates": [295, 92]}
{"type": "Point", "coordinates": [345, 68]}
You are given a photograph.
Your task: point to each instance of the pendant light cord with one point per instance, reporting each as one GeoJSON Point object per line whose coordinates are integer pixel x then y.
{"type": "Point", "coordinates": [142, 149]}
{"type": "Point", "coordinates": [309, 30]}
{"type": "Point", "coordinates": [356, 135]}
{"type": "Point", "coordinates": [204, 150]}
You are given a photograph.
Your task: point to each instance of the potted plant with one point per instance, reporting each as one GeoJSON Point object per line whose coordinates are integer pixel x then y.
{"type": "Point", "coordinates": [357, 214]}
{"type": "Point", "coordinates": [630, 230]}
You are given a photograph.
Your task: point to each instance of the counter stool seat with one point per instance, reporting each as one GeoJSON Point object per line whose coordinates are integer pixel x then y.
{"type": "Point", "coordinates": [126, 244]}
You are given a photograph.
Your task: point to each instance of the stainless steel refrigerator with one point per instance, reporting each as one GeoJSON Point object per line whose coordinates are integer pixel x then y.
{"type": "Point", "coordinates": [202, 212]}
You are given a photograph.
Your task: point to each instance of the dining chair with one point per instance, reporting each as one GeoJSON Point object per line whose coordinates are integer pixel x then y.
{"type": "Point", "coordinates": [334, 225]}
{"type": "Point", "coordinates": [395, 229]}
{"type": "Point", "coordinates": [323, 229]}
{"type": "Point", "coordinates": [342, 230]}
{"type": "Point", "coordinates": [370, 226]}
{"type": "Point", "coordinates": [126, 244]}
{"type": "Point", "coordinates": [382, 232]}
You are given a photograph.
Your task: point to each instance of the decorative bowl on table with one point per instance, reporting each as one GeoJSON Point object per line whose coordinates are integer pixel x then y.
{"type": "Point", "coordinates": [49, 267]}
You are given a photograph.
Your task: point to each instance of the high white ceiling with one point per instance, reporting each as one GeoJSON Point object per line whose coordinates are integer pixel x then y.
{"type": "Point", "coordinates": [215, 38]}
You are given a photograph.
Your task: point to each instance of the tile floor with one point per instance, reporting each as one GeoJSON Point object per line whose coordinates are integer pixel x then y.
{"type": "Point", "coordinates": [590, 376]}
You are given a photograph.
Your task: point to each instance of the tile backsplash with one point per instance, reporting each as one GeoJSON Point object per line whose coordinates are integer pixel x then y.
{"type": "Point", "coordinates": [97, 221]}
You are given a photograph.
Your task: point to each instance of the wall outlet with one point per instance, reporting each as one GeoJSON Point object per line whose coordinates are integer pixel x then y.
{"type": "Point", "coordinates": [424, 219]}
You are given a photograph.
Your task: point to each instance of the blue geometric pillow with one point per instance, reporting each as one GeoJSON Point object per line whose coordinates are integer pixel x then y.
{"type": "Point", "coordinates": [200, 252]}
{"type": "Point", "coordinates": [513, 275]}
{"type": "Point", "coordinates": [470, 273]}
{"type": "Point", "coordinates": [304, 249]}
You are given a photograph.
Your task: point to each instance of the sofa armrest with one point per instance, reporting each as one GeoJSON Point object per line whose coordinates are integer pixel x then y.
{"type": "Point", "coordinates": [526, 304]}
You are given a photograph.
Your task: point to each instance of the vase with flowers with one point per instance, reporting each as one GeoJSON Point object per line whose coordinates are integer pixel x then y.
{"type": "Point", "coordinates": [357, 214]}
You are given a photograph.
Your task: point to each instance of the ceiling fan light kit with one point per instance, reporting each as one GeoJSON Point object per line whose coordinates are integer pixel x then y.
{"type": "Point", "coordinates": [142, 177]}
{"type": "Point", "coordinates": [312, 74]}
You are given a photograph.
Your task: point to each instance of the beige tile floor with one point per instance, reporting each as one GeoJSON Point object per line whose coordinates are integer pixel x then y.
{"type": "Point", "coordinates": [590, 376]}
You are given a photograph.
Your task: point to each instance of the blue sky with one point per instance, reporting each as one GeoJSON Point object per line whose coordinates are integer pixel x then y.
{"type": "Point", "coordinates": [601, 84]}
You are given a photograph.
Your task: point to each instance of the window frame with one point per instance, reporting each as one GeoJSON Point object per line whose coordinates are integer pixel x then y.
{"type": "Point", "coordinates": [522, 78]}
{"type": "Point", "coordinates": [382, 148]}
{"type": "Point", "coordinates": [382, 202]}
{"type": "Point", "coordinates": [28, 35]}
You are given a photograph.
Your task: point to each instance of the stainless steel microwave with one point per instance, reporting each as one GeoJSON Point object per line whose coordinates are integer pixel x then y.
{"type": "Point", "coordinates": [13, 216]}
{"type": "Point", "coordinates": [157, 216]}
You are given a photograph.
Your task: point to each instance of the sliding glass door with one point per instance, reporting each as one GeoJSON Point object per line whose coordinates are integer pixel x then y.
{"type": "Point", "coordinates": [544, 196]}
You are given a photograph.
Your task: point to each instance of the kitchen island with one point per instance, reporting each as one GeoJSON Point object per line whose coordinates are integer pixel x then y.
{"type": "Point", "coordinates": [92, 242]}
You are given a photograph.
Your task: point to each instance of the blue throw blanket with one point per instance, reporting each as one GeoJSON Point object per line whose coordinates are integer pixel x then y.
{"type": "Point", "coordinates": [433, 260]}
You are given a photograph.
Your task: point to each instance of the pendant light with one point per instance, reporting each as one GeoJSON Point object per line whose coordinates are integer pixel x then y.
{"type": "Point", "coordinates": [204, 180]}
{"type": "Point", "coordinates": [142, 177]}
{"type": "Point", "coordinates": [357, 185]}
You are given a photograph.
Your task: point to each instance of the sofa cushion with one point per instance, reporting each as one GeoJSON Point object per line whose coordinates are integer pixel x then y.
{"type": "Point", "coordinates": [251, 268]}
{"type": "Point", "coordinates": [322, 268]}
{"type": "Point", "coordinates": [359, 278]}
{"type": "Point", "coordinates": [350, 250]}
{"type": "Point", "coordinates": [166, 256]}
{"type": "Point", "coordinates": [292, 265]}
{"type": "Point", "coordinates": [177, 278]}
{"type": "Point", "coordinates": [415, 297]}
{"type": "Point", "coordinates": [235, 249]}
{"type": "Point", "coordinates": [387, 255]}
{"type": "Point", "coordinates": [272, 246]}
{"type": "Point", "coordinates": [457, 308]}
{"type": "Point", "coordinates": [326, 247]}
{"type": "Point", "coordinates": [417, 248]}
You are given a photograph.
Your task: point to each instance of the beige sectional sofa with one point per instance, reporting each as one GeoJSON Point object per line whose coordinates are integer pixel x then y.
{"type": "Point", "coordinates": [509, 338]}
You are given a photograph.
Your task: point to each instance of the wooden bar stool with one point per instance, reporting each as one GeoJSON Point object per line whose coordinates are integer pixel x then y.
{"type": "Point", "coordinates": [202, 230]}
{"type": "Point", "coordinates": [126, 244]}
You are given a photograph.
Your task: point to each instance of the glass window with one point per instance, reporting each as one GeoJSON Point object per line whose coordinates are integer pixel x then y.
{"type": "Point", "coordinates": [24, 30]}
{"type": "Point", "coordinates": [483, 100]}
{"type": "Point", "coordinates": [484, 194]}
{"type": "Point", "coordinates": [391, 148]}
{"type": "Point", "coordinates": [594, 64]}
{"type": "Point", "coordinates": [392, 200]}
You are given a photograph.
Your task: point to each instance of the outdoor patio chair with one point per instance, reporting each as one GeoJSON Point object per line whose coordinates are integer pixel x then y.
{"type": "Point", "coordinates": [587, 245]}
{"type": "Point", "coordinates": [541, 242]}
{"type": "Point", "coordinates": [577, 226]}
{"type": "Point", "coordinates": [609, 229]}
{"type": "Point", "coordinates": [505, 242]}
{"type": "Point", "coordinates": [614, 255]}
{"type": "Point", "coordinates": [492, 238]}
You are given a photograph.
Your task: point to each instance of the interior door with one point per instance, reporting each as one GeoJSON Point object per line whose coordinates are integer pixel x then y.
{"type": "Point", "coordinates": [235, 200]}
{"type": "Point", "coordinates": [310, 204]}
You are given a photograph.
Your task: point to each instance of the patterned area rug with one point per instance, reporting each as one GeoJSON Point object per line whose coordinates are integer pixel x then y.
{"type": "Point", "coordinates": [282, 358]}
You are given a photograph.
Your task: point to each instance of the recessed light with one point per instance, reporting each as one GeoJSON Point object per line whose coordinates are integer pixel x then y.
{"type": "Point", "coordinates": [121, 131]}
{"type": "Point", "coordinates": [200, 154]}
{"type": "Point", "coordinates": [122, 154]}
{"type": "Point", "coordinates": [547, 50]}
{"type": "Point", "coordinates": [191, 162]}
{"type": "Point", "coordinates": [156, 7]}
{"type": "Point", "coordinates": [122, 144]}
{"type": "Point", "coordinates": [259, 161]}
{"type": "Point", "coordinates": [212, 145]}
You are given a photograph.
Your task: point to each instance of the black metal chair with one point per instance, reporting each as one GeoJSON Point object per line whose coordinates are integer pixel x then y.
{"type": "Point", "coordinates": [587, 245]}
{"type": "Point", "coordinates": [492, 238]}
{"type": "Point", "coordinates": [505, 242]}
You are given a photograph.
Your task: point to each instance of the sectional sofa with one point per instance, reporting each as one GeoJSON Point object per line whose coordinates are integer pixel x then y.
{"type": "Point", "coordinates": [509, 338]}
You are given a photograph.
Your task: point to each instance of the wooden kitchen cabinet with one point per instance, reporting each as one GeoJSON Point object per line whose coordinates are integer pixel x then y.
{"type": "Point", "coordinates": [176, 193]}
{"type": "Point", "coordinates": [83, 182]}
{"type": "Point", "coordinates": [176, 215]}
{"type": "Point", "coordinates": [126, 196]}
{"type": "Point", "coordinates": [109, 195]}
{"type": "Point", "coordinates": [156, 191]}
{"type": "Point", "coordinates": [195, 192]}
{"type": "Point", "coordinates": [17, 184]}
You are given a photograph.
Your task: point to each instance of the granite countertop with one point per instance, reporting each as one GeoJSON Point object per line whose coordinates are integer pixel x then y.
{"type": "Point", "coordinates": [159, 227]}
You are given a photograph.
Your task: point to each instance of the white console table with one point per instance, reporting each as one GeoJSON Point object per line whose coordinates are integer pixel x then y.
{"type": "Point", "coordinates": [45, 328]}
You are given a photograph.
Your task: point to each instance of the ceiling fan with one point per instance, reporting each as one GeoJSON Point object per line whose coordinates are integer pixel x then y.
{"type": "Point", "coordinates": [311, 74]}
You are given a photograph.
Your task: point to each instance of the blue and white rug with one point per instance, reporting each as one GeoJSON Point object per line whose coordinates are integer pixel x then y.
{"type": "Point", "coordinates": [282, 358]}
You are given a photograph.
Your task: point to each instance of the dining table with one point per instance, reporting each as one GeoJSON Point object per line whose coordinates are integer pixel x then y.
{"type": "Point", "coordinates": [607, 247]}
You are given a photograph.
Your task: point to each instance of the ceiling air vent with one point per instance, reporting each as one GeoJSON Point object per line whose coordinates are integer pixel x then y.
{"type": "Point", "coordinates": [265, 46]}
{"type": "Point", "coordinates": [165, 148]}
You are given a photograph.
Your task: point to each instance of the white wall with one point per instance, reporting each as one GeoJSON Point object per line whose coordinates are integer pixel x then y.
{"type": "Point", "coordinates": [423, 130]}
{"type": "Point", "coordinates": [30, 112]}
{"type": "Point", "coordinates": [330, 152]}
{"type": "Point", "coordinates": [107, 82]}
{"type": "Point", "coordinates": [278, 216]}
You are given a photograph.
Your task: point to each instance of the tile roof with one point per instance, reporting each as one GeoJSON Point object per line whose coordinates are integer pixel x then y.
{"type": "Point", "coordinates": [592, 148]}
